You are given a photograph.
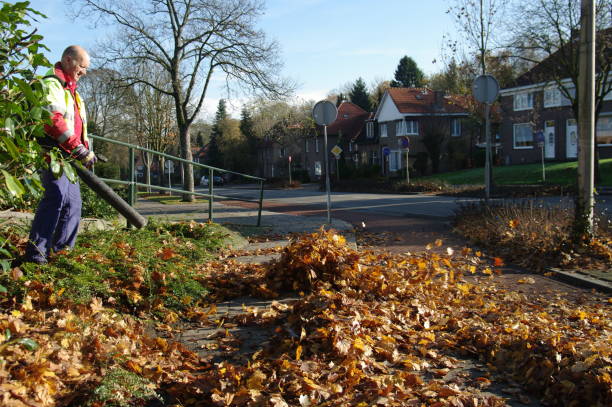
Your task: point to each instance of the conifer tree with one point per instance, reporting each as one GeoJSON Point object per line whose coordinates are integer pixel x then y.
{"type": "Point", "coordinates": [408, 74]}
{"type": "Point", "coordinates": [359, 95]}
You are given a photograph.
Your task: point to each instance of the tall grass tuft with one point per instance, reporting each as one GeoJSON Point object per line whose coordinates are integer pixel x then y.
{"type": "Point", "coordinates": [534, 236]}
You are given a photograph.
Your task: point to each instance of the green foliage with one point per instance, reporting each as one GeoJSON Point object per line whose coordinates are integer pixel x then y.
{"type": "Point", "coordinates": [21, 111]}
{"type": "Point", "coordinates": [121, 388]}
{"type": "Point", "coordinates": [359, 95]}
{"type": "Point", "coordinates": [154, 269]}
{"type": "Point", "coordinates": [408, 74]}
{"type": "Point", "coordinates": [214, 157]}
{"type": "Point", "coordinates": [96, 207]}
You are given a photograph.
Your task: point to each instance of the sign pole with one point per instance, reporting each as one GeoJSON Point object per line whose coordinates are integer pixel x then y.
{"type": "Point", "coordinates": [488, 152]}
{"type": "Point", "coordinates": [543, 167]}
{"type": "Point", "coordinates": [324, 114]}
{"type": "Point", "coordinates": [289, 170]}
{"type": "Point", "coordinates": [407, 167]}
{"type": "Point", "coordinates": [327, 187]}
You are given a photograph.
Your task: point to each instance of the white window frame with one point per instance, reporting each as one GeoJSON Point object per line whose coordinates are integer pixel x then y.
{"type": "Point", "coordinates": [523, 101]}
{"type": "Point", "coordinates": [455, 127]}
{"type": "Point", "coordinates": [552, 97]}
{"type": "Point", "coordinates": [383, 129]}
{"type": "Point", "coordinates": [412, 127]}
{"type": "Point", "coordinates": [374, 157]}
{"type": "Point", "coordinates": [400, 128]}
{"type": "Point", "coordinates": [316, 144]}
{"type": "Point", "coordinates": [370, 130]}
{"type": "Point", "coordinates": [515, 127]}
{"type": "Point", "coordinates": [356, 159]}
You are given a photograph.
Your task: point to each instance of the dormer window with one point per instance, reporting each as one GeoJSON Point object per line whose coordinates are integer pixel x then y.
{"type": "Point", "coordinates": [370, 130]}
{"type": "Point", "coordinates": [523, 101]}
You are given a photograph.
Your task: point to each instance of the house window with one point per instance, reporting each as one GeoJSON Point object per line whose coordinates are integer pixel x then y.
{"type": "Point", "coordinates": [523, 101]}
{"type": "Point", "coordinates": [282, 151]}
{"type": "Point", "coordinates": [523, 136]}
{"type": "Point", "coordinates": [400, 128]}
{"type": "Point", "coordinates": [455, 127]}
{"type": "Point", "coordinates": [316, 144]}
{"type": "Point", "coordinates": [317, 168]}
{"type": "Point", "coordinates": [383, 130]}
{"type": "Point", "coordinates": [350, 146]}
{"type": "Point", "coordinates": [603, 131]}
{"type": "Point", "coordinates": [373, 157]}
{"type": "Point", "coordinates": [412, 127]}
{"type": "Point", "coordinates": [370, 130]}
{"type": "Point", "coordinates": [356, 159]}
{"type": "Point", "coordinates": [307, 148]}
{"type": "Point", "coordinates": [364, 157]}
{"type": "Point", "coordinates": [552, 97]}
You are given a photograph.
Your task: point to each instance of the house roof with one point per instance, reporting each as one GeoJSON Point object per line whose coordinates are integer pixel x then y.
{"type": "Point", "coordinates": [423, 100]}
{"type": "Point", "coordinates": [350, 121]}
{"type": "Point", "coordinates": [551, 66]}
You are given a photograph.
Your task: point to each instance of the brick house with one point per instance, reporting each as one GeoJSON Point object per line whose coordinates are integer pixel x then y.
{"type": "Point", "coordinates": [345, 132]}
{"type": "Point", "coordinates": [418, 114]}
{"type": "Point", "coordinates": [535, 103]}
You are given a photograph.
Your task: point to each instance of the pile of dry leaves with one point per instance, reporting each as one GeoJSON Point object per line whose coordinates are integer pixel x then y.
{"type": "Point", "coordinates": [369, 329]}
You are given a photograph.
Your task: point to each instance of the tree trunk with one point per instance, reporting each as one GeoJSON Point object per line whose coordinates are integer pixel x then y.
{"type": "Point", "coordinates": [185, 142]}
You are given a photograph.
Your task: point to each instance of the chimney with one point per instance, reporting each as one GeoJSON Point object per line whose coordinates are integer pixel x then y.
{"type": "Point", "coordinates": [438, 99]}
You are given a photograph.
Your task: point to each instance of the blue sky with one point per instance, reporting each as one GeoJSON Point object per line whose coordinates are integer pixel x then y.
{"type": "Point", "coordinates": [324, 43]}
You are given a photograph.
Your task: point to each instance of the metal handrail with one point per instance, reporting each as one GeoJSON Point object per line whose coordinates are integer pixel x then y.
{"type": "Point", "coordinates": [133, 184]}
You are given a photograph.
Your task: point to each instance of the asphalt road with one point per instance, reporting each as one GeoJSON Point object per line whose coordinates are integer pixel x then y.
{"type": "Point", "coordinates": [309, 198]}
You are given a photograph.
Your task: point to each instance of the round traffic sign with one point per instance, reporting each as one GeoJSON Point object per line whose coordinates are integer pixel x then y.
{"type": "Point", "coordinates": [386, 151]}
{"type": "Point", "coordinates": [403, 142]}
{"type": "Point", "coordinates": [324, 113]}
{"type": "Point", "coordinates": [485, 89]}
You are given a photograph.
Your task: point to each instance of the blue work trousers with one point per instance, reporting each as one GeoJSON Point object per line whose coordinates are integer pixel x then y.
{"type": "Point", "coordinates": [57, 218]}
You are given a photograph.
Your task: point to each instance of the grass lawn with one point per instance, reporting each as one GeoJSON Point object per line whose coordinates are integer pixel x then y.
{"type": "Point", "coordinates": [558, 173]}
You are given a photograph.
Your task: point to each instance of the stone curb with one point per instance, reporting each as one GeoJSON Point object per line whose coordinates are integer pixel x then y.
{"type": "Point", "coordinates": [581, 280]}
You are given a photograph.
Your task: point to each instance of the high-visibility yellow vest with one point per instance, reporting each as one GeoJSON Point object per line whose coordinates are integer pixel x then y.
{"type": "Point", "coordinates": [60, 100]}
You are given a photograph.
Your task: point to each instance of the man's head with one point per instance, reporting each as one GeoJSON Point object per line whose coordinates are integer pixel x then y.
{"type": "Point", "coordinates": [75, 61]}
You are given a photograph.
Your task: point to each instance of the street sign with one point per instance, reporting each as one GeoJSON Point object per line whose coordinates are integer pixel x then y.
{"type": "Point", "coordinates": [485, 89]}
{"type": "Point", "coordinates": [336, 151]}
{"type": "Point", "coordinates": [539, 136]}
{"type": "Point", "coordinates": [403, 142]}
{"type": "Point", "coordinates": [386, 151]}
{"type": "Point", "coordinates": [324, 113]}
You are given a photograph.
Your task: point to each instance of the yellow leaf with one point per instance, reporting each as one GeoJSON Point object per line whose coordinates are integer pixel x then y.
{"type": "Point", "coordinates": [358, 344]}
{"type": "Point", "coordinates": [298, 352]}
{"type": "Point", "coordinates": [255, 382]}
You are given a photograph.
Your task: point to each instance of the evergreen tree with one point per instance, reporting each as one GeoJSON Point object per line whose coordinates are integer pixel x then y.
{"type": "Point", "coordinates": [359, 95]}
{"type": "Point", "coordinates": [247, 128]}
{"type": "Point", "coordinates": [214, 156]}
{"type": "Point", "coordinates": [340, 98]}
{"type": "Point", "coordinates": [408, 74]}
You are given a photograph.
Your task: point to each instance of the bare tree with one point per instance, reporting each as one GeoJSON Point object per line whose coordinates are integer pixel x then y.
{"type": "Point", "coordinates": [105, 101]}
{"type": "Point", "coordinates": [546, 33]}
{"type": "Point", "coordinates": [480, 22]}
{"type": "Point", "coordinates": [191, 40]}
{"type": "Point", "coordinates": [152, 118]}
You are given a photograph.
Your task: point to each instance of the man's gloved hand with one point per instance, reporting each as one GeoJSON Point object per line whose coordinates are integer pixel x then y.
{"type": "Point", "coordinates": [84, 155]}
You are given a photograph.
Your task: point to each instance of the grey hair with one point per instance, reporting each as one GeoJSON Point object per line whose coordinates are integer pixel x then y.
{"type": "Point", "coordinates": [72, 51]}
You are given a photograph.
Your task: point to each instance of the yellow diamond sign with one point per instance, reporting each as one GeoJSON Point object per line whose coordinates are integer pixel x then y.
{"type": "Point", "coordinates": [336, 150]}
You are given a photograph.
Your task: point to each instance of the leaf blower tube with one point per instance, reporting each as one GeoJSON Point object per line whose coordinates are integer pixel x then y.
{"type": "Point", "coordinates": [109, 195]}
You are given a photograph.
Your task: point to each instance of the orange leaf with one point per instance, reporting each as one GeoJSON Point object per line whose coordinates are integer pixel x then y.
{"type": "Point", "coordinates": [498, 262]}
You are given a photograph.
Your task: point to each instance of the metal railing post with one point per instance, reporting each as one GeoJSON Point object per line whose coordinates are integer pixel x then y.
{"type": "Point", "coordinates": [132, 175]}
{"type": "Point", "coordinates": [210, 193]}
{"type": "Point", "coordinates": [261, 192]}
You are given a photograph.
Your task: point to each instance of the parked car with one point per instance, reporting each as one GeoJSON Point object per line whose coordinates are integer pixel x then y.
{"type": "Point", "coordinates": [217, 180]}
